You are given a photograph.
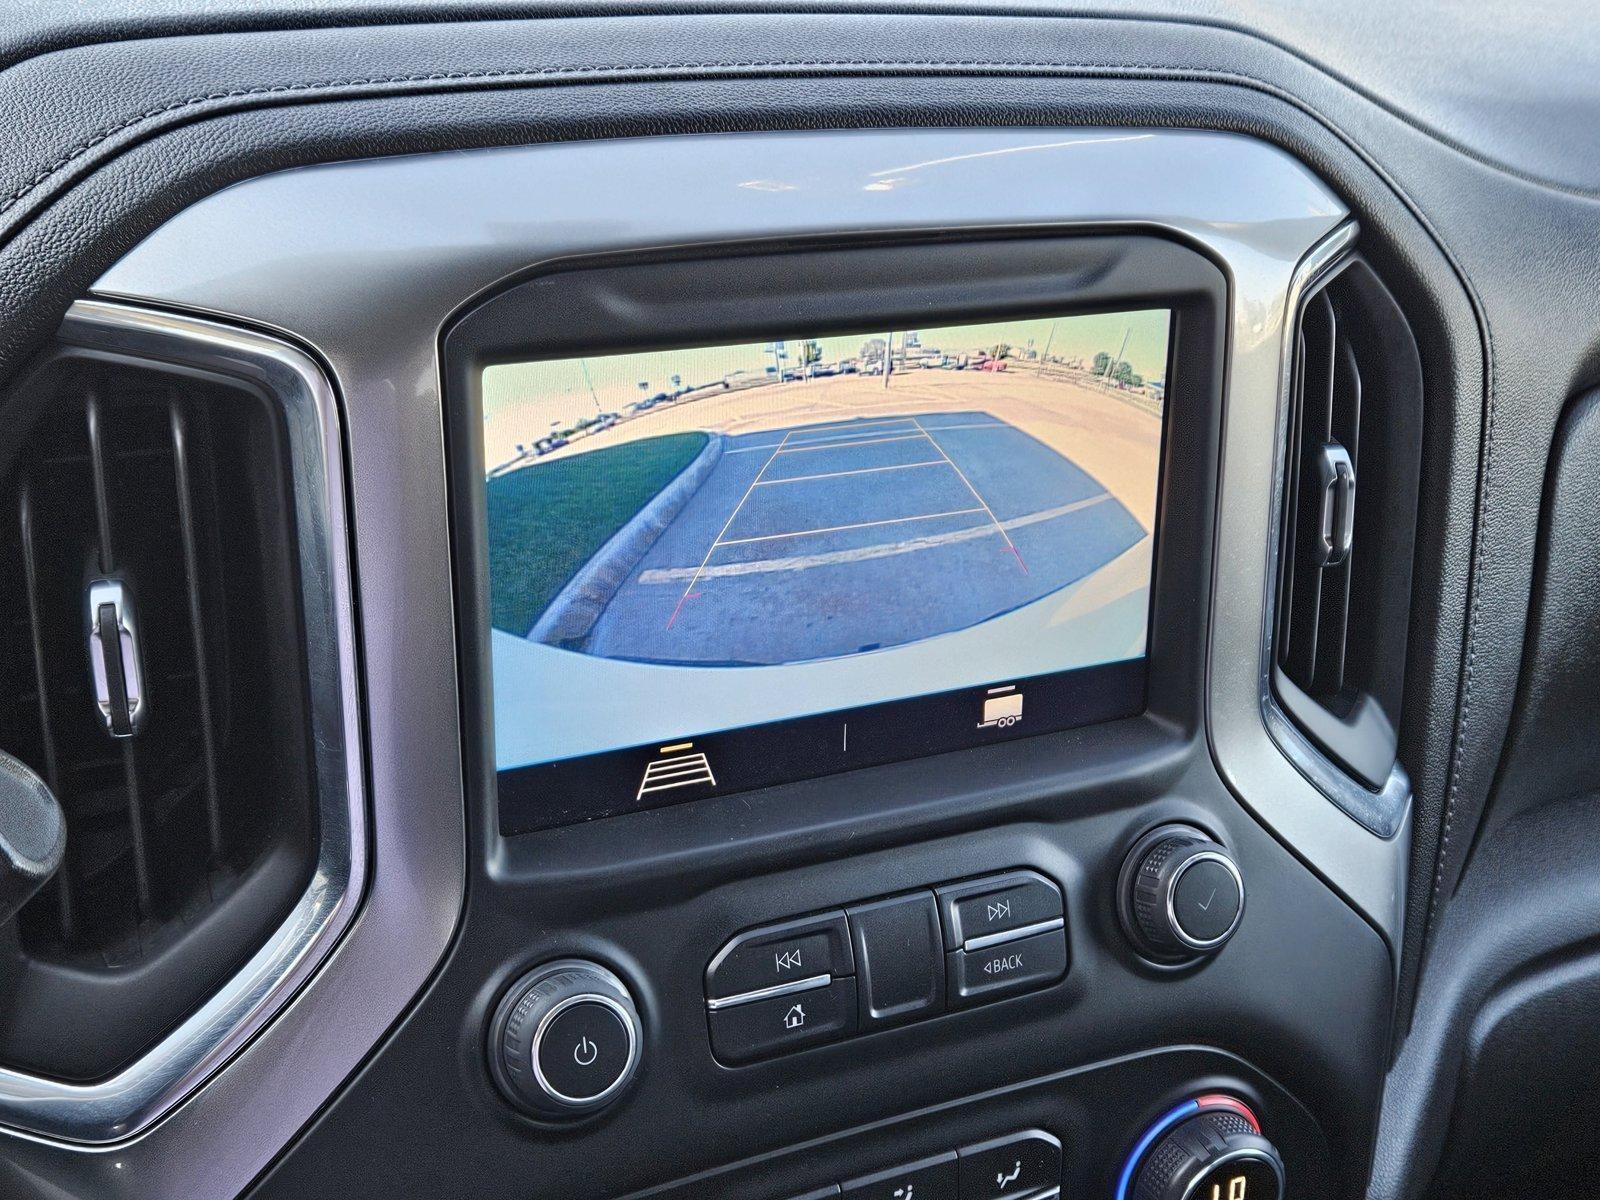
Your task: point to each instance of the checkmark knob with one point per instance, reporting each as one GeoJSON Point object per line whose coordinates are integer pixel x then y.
{"type": "Point", "coordinates": [1182, 894]}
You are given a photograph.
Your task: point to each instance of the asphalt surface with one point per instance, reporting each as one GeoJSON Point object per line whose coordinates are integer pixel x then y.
{"type": "Point", "coordinates": [837, 537]}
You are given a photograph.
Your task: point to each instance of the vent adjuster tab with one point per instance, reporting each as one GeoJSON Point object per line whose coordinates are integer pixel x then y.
{"type": "Point", "coordinates": [114, 658]}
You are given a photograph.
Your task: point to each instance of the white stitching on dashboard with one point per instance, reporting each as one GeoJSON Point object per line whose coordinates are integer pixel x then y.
{"type": "Point", "coordinates": [610, 71]}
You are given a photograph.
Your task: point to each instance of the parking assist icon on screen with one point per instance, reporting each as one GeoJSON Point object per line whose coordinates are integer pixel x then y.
{"type": "Point", "coordinates": [1002, 707]}
{"type": "Point", "coordinates": [676, 766]}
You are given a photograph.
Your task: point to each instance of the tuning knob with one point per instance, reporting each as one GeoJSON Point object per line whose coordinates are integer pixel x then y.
{"type": "Point", "coordinates": [1212, 1149]}
{"type": "Point", "coordinates": [1181, 894]}
{"type": "Point", "coordinates": [564, 1040]}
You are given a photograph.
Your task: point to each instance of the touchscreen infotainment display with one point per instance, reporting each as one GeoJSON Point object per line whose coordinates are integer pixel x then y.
{"type": "Point", "coordinates": [718, 568]}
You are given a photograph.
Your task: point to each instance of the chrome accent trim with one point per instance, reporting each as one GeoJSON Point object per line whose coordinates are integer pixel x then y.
{"type": "Point", "coordinates": [141, 1093]}
{"type": "Point", "coordinates": [809, 984]}
{"type": "Point", "coordinates": [1178, 930]}
{"type": "Point", "coordinates": [1013, 935]}
{"type": "Point", "coordinates": [548, 1088]}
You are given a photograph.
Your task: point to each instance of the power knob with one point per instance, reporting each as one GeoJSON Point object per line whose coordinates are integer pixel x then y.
{"type": "Point", "coordinates": [564, 1040]}
{"type": "Point", "coordinates": [1181, 895]}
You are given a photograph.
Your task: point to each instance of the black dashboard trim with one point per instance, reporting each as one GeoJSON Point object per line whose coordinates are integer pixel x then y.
{"type": "Point", "coordinates": [1412, 260]}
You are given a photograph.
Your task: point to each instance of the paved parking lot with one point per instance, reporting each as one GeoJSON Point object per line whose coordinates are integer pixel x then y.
{"type": "Point", "coordinates": [834, 537]}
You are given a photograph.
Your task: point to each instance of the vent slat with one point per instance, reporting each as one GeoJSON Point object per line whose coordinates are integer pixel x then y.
{"type": "Point", "coordinates": [1305, 647]}
{"type": "Point", "coordinates": [136, 830]}
{"type": "Point", "coordinates": [197, 628]}
{"type": "Point", "coordinates": [1346, 426]}
{"type": "Point", "coordinates": [1315, 619]}
{"type": "Point", "coordinates": [1291, 506]}
{"type": "Point", "coordinates": [62, 883]}
{"type": "Point", "coordinates": [102, 490]}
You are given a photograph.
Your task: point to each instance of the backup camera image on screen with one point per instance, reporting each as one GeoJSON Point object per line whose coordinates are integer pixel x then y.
{"type": "Point", "coordinates": [687, 541]}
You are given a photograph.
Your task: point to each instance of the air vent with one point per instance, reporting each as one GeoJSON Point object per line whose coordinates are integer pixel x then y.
{"type": "Point", "coordinates": [1349, 522]}
{"type": "Point", "coordinates": [157, 677]}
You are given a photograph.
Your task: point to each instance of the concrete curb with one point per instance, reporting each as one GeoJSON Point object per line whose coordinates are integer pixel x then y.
{"type": "Point", "coordinates": [578, 605]}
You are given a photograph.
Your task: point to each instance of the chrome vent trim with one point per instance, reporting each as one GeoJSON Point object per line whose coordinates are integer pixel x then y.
{"type": "Point", "coordinates": [130, 1101]}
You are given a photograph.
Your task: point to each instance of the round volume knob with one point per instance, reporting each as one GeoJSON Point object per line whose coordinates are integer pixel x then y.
{"type": "Point", "coordinates": [1182, 895]}
{"type": "Point", "coordinates": [1217, 1154]}
{"type": "Point", "coordinates": [564, 1040]}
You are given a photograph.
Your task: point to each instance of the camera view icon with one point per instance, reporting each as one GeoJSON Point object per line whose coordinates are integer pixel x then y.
{"type": "Point", "coordinates": [1002, 707]}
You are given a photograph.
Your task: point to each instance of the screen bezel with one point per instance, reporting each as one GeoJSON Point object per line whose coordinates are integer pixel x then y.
{"type": "Point", "coordinates": [757, 292]}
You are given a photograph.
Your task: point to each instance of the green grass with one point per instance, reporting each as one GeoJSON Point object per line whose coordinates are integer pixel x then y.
{"type": "Point", "coordinates": [548, 519]}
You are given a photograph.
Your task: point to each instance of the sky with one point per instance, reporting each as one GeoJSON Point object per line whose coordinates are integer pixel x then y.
{"type": "Point", "coordinates": [538, 396]}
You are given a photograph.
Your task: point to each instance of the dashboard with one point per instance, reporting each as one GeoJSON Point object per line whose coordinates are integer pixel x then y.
{"type": "Point", "coordinates": [739, 610]}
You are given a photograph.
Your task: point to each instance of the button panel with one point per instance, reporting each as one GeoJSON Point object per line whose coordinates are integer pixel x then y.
{"type": "Point", "coordinates": [775, 955]}
{"type": "Point", "coordinates": [1000, 904]}
{"type": "Point", "coordinates": [764, 1027]}
{"type": "Point", "coordinates": [897, 948]}
{"type": "Point", "coordinates": [897, 959]}
{"type": "Point", "coordinates": [1024, 1164]}
{"type": "Point", "coordinates": [999, 970]}
{"type": "Point", "coordinates": [1019, 1166]}
{"type": "Point", "coordinates": [930, 1179]}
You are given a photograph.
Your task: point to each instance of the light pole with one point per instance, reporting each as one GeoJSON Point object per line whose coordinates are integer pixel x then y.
{"type": "Point", "coordinates": [1112, 365]}
{"type": "Point", "coordinates": [583, 365]}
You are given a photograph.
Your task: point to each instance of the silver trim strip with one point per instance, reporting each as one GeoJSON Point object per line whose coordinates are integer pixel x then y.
{"type": "Point", "coordinates": [1268, 763]}
{"type": "Point", "coordinates": [1012, 935]}
{"type": "Point", "coordinates": [809, 984]}
{"type": "Point", "coordinates": [141, 1093]}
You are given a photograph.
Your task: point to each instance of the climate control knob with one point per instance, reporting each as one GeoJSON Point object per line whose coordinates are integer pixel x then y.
{"type": "Point", "coordinates": [1215, 1152]}
{"type": "Point", "coordinates": [564, 1040]}
{"type": "Point", "coordinates": [1181, 894]}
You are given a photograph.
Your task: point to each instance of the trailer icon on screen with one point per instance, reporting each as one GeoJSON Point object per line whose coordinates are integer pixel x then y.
{"type": "Point", "coordinates": [1002, 708]}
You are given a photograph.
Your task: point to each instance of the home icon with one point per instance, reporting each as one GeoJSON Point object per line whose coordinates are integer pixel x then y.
{"type": "Point", "coordinates": [794, 1018]}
